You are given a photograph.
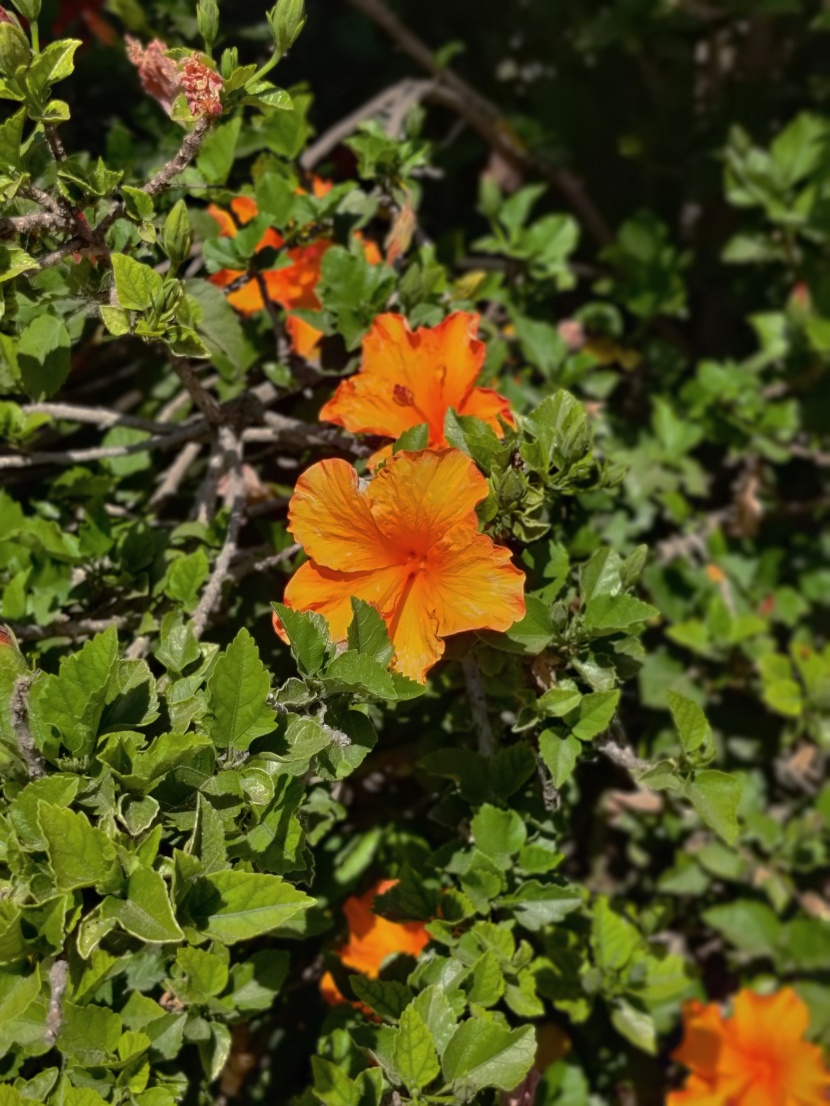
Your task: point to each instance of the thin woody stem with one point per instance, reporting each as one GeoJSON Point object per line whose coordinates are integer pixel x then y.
{"type": "Point", "coordinates": [478, 705]}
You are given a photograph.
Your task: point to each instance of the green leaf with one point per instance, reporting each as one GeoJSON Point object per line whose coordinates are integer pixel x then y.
{"type": "Point", "coordinates": [356, 672]}
{"type": "Point", "coordinates": [80, 854]}
{"type": "Point", "coordinates": [235, 906]}
{"type": "Point", "coordinates": [415, 1056]}
{"type": "Point", "coordinates": [636, 1026]}
{"type": "Point", "coordinates": [388, 999]}
{"type": "Point", "coordinates": [309, 636]}
{"type": "Point", "coordinates": [498, 833]}
{"type": "Point", "coordinates": [438, 1015]}
{"type": "Point", "coordinates": [716, 797]}
{"type": "Point", "coordinates": [236, 695]}
{"type": "Point", "coordinates": [137, 285]}
{"type": "Point", "coordinates": [486, 985]}
{"type": "Point", "coordinates": [560, 755]}
{"type": "Point", "coordinates": [690, 721]}
{"type": "Point", "coordinates": [617, 612]}
{"type": "Point", "coordinates": [413, 439]}
{"type": "Point", "coordinates": [750, 926]}
{"type": "Point", "coordinates": [146, 913]}
{"type": "Point", "coordinates": [595, 713]}
{"type": "Point", "coordinates": [89, 1033]}
{"type": "Point", "coordinates": [367, 633]}
{"type": "Point", "coordinates": [216, 154]}
{"type": "Point", "coordinates": [43, 356]}
{"type": "Point", "coordinates": [613, 937]}
{"type": "Point", "coordinates": [19, 987]}
{"type": "Point", "coordinates": [67, 708]}
{"type": "Point", "coordinates": [11, 133]}
{"type": "Point", "coordinates": [14, 261]}
{"type": "Point", "coordinates": [185, 577]}
{"type": "Point", "coordinates": [483, 1054]}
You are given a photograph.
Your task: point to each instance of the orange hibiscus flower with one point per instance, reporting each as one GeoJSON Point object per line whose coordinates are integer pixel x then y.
{"type": "Point", "coordinates": [758, 1057]}
{"type": "Point", "coordinates": [293, 287]}
{"type": "Point", "coordinates": [409, 545]}
{"type": "Point", "coordinates": [411, 377]}
{"type": "Point", "coordinates": [372, 939]}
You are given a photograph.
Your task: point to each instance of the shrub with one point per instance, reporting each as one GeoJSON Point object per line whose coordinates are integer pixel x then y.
{"type": "Point", "coordinates": [416, 677]}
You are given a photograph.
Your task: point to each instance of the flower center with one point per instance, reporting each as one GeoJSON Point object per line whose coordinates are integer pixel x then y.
{"type": "Point", "coordinates": [417, 563]}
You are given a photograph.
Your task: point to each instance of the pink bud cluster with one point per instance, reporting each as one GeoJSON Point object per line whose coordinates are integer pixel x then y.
{"type": "Point", "coordinates": [163, 79]}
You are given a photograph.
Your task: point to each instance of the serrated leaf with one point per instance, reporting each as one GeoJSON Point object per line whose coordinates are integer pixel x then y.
{"type": "Point", "coordinates": [388, 999]}
{"type": "Point", "coordinates": [617, 612]}
{"type": "Point", "coordinates": [415, 1056]}
{"type": "Point", "coordinates": [560, 755]}
{"type": "Point", "coordinates": [146, 913]}
{"type": "Point", "coordinates": [483, 1054]}
{"type": "Point", "coordinates": [690, 721]}
{"type": "Point", "coordinates": [233, 906]}
{"type": "Point", "coordinates": [80, 854]}
{"type": "Point", "coordinates": [438, 1015]}
{"type": "Point", "coordinates": [636, 1026]}
{"type": "Point", "coordinates": [308, 633]}
{"type": "Point", "coordinates": [498, 833]}
{"type": "Point", "coordinates": [19, 987]}
{"type": "Point", "coordinates": [367, 633]}
{"type": "Point", "coordinates": [356, 672]}
{"type": "Point", "coordinates": [137, 285]}
{"type": "Point", "coordinates": [236, 695]}
{"type": "Point", "coordinates": [716, 797]}
{"type": "Point", "coordinates": [595, 713]}
{"type": "Point", "coordinates": [44, 356]}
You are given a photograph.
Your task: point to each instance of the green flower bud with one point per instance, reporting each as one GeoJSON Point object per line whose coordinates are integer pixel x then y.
{"type": "Point", "coordinates": [28, 8]}
{"type": "Point", "coordinates": [207, 17]}
{"type": "Point", "coordinates": [14, 49]}
{"type": "Point", "coordinates": [286, 20]}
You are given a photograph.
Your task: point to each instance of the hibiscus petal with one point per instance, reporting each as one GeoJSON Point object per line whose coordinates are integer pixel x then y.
{"type": "Point", "coordinates": [418, 497]}
{"type": "Point", "coordinates": [474, 584]}
{"type": "Point", "coordinates": [702, 1039]}
{"type": "Point", "coordinates": [413, 628]}
{"type": "Point", "coordinates": [304, 337]}
{"type": "Point", "coordinates": [332, 520]}
{"type": "Point", "coordinates": [487, 405]}
{"type": "Point", "coordinates": [313, 588]}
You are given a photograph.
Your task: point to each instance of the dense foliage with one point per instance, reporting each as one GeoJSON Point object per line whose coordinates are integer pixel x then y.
{"type": "Point", "coordinates": [445, 843]}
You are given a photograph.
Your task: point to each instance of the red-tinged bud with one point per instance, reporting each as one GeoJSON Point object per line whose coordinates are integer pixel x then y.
{"type": "Point", "coordinates": [766, 606]}
{"type": "Point", "coordinates": [5, 17]}
{"type": "Point", "coordinates": [156, 72]}
{"type": "Point", "coordinates": [201, 86]}
{"type": "Point", "coordinates": [572, 333]}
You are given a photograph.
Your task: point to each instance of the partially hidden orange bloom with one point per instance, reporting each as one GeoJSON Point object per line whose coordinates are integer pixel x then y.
{"type": "Point", "coordinates": [411, 377]}
{"type": "Point", "coordinates": [758, 1057]}
{"type": "Point", "coordinates": [409, 544]}
{"type": "Point", "coordinates": [292, 287]}
{"type": "Point", "coordinates": [372, 939]}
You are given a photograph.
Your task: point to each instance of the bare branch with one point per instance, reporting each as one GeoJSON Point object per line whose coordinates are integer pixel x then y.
{"type": "Point", "coordinates": [94, 416]}
{"type": "Point", "coordinates": [249, 561]}
{"type": "Point", "coordinates": [197, 429]}
{"type": "Point", "coordinates": [478, 705]}
{"type": "Point", "coordinates": [207, 404]}
{"type": "Point", "coordinates": [172, 479]}
{"type": "Point", "coordinates": [232, 445]}
{"type": "Point", "coordinates": [70, 627]}
{"type": "Point", "coordinates": [19, 710]}
{"type": "Point", "coordinates": [487, 119]}
{"type": "Point", "coordinates": [394, 102]}
{"type": "Point", "coordinates": [178, 163]}
{"type": "Point", "coordinates": [58, 979]}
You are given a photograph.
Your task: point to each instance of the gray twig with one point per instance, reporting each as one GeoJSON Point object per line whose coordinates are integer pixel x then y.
{"type": "Point", "coordinates": [58, 979]}
{"type": "Point", "coordinates": [19, 709]}
{"type": "Point", "coordinates": [478, 705]}
{"type": "Point", "coordinates": [94, 416]}
{"type": "Point", "coordinates": [172, 479]}
{"type": "Point", "coordinates": [232, 445]}
{"type": "Point", "coordinates": [487, 119]}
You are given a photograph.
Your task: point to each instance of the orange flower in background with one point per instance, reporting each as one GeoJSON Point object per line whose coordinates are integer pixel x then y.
{"type": "Point", "coordinates": [372, 939]}
{"type": "Point", "coordinates": [409, 545]}
{"type": "Point", "coordinates": [758, 1057]}
{"type": "Point", "coordinates": [411, 377]}
{"type": "Point", "coordinates": [292, 287]}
